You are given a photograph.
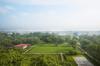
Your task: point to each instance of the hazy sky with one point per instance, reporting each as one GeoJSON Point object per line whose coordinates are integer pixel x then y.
{"type": "Point", "coordinates": [50, 14]}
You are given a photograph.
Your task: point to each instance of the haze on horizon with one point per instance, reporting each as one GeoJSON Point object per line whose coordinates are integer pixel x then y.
{"type": "Point", "coordinates": [50, 15]}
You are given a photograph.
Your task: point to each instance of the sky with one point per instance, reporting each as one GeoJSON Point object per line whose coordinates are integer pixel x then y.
{"type": "Point", "coordinates": [50, 15]}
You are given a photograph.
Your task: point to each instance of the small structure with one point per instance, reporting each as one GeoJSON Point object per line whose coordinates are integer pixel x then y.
{"type": "Point", "coordinates": [22, 45]}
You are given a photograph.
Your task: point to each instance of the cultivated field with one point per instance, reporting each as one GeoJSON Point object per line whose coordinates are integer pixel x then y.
{"type": "Point", "coordinates": [46, 49]}
{"type": "Point", "coordinates": [50, 49]}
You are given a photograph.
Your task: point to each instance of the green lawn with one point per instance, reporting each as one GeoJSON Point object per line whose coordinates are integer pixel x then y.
{"type": "Point", "coordinates": [50, 49]}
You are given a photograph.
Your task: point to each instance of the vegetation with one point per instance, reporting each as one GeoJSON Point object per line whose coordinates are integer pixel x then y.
{"type": "Point", "coordinates": [65, 45]}
{"type": "Point", "coordinates": [52, 49]}
{"type": "Point", "coordinates": [42, 43]}
{"type": "Point", "coordinates": [91, 44]}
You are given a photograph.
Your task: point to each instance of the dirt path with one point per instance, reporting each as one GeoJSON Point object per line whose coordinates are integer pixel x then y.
{"type": "Point", "coordinates": [28, 49]}
{"type": "Point", "coordinates": [61, 54]}
{"type": "Point", "coordinates": [82, 61]}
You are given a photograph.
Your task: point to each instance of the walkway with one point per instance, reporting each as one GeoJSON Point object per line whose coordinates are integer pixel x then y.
{"type": "Point", "coordinates": [82, 61]}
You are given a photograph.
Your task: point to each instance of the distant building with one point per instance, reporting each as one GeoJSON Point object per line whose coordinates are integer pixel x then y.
{"type": "Point", "coordinates": [22, 45]}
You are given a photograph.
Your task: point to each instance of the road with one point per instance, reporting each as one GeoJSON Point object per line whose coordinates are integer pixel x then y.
{"type": "Point", "coordinates": [82, 61]}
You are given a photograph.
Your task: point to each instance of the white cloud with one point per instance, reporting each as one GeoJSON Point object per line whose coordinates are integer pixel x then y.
{"type": "Point", "coordinates": [87, 17]}
{"type": "Point", "coordinates": [52, 19]}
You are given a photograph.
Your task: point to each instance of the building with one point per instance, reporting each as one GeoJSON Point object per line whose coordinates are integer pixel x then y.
{"type": "Point", "coordinates": [22, 45]}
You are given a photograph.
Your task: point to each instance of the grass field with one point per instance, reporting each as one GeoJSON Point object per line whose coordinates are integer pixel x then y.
{"type": "Point", "coordinates": [50, 48]}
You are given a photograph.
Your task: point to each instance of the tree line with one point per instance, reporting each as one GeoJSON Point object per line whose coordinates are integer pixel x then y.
{"type": "Point", "coordinates": [91, 44]}
{"type": "Point", "coordinates": [12, 39]}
